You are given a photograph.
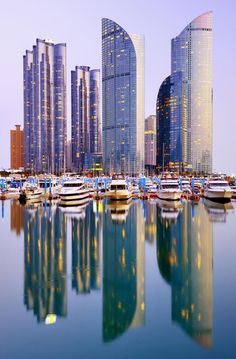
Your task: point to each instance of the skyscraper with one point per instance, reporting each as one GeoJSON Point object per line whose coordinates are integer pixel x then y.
{"type": "Point", "coordinates": [86, 122]}
{"type": "Point", "coordinates": [150, 143]}
{"type": "Point", "coordinates": [191, 82]}
{"type": "Point", "coordinates": [17, 148]}
{"type": "Point", "coordinates": [45, 107]}
{"type": "Point", "coordinates": [123, 99]}
{"type": "Point", "coordinates": [171, 125]}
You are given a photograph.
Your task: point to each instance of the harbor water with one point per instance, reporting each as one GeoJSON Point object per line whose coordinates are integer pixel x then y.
{"type": "Point", "coordinates": [142, 279]}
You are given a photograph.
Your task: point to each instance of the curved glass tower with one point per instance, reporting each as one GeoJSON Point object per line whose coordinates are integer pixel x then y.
{"type": "Point", "coordinates": [191, 54]}
{"type": "Point", "coordinates": [123, 99]}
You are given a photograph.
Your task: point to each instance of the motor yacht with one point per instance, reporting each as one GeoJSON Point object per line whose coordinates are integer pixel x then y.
{"type": "Point", "coordinates": [169, 190]}
{"type": "Point", "coordinates": [217, 189]}
{"type": "Point", "coordinates": [74, 193]}
{"type": "Point", "coordinates": [119, 190]}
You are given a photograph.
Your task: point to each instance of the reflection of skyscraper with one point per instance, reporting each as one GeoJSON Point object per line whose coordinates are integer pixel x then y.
{"type": "Point", "coordinates": [185, 261]}
{"type": "Point", "coordinates": [123, 274]}
{"type": "Point", "coordinates": [45, 289]}
{"type": "Point", "coordinates": [150, 223]}
{"type": "Point", "coordinates": [17, 217]}
{"type": "Point", "coordinates": [86, 238]}
{"type": "Point", "coordinates": [123, 99]}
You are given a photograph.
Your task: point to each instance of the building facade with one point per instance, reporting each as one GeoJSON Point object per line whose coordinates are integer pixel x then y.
{"type": "Point", "coordinates": [171, 125]}
{"type": "Point", "coordinates": [86, 119]}
{"type": "Point", "coordinates": [123, 99]}
{"type": "Point", "coordinates": [189, 99]}
{"type": "Point", "coordinates": [17, 147]}
{"type": "Point", "coordinates": [45, 107]}
{"type": "Point", "coordinates": [150, 143]}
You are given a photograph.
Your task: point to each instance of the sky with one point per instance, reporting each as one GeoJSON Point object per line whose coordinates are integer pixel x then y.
{"type": "Point", "coordinates": [78, 23]}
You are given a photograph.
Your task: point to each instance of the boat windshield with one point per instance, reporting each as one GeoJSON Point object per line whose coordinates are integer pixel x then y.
{"type": "Point", "coordinates": [72, 184]}
{"type": "Point", "coordinates": [218, 184]}
{"type": "Point", "coordinates": [170, 186]}
{"type": "Point", "coordinates": [115, 187]}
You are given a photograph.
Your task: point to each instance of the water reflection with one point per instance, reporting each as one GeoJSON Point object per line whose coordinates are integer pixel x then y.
{"type": "Point", "coordinates": [184, 253]}
{"type": "Point", "coordinates": [150, 211]}
{"type": "Point", "coordinates": [17, 217]}
{"type": "Point", "coordinates": [86, 239]}
{"type": "Point", "coordinates": [123, 273]}
{"type": "Point", "coordinates": [45, 288]}
{"type": "Point", "coordinates": [218, 211]}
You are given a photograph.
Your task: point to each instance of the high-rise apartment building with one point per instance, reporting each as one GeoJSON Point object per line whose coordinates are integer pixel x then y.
{"type": "Point", "coordinates": [86, 120]}
{"type": "Point", "coordinates": [123, 99]}
{"type": "Point", "coordinates": [188, 100]}
{"type": "Point", "coordinates": [150, 143]}
{"type": "Point", "coordinates": [17, 148]}
{"type": "Point", "coordinates": [45, 107]}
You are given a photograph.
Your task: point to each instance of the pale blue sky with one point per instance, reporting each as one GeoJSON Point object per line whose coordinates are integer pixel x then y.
{"type": "Point", "coordinates": [78, 23]}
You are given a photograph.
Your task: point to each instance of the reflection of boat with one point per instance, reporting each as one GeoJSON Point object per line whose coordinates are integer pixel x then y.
{"type": "Point", "coordinates": [73, 193]}
{"type": "Point", "coordinates": [74, 212]}
{"type": "Point", "coordinates": [119, 210]}
{"type": "Point", "coordinates": [169, 210]}
{"type": "Point", "coordinates": [217, 211]}
{"type": "Point", "coordinates": [218, 189]}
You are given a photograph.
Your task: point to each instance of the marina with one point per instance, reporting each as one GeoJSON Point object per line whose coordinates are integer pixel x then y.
{"type": "Point", "coordinates": [118, 276]}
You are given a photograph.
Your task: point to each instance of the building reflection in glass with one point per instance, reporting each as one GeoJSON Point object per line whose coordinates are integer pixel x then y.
{"type": "Point", "coordinates": [184, 253]}
{"type": "Point", "coordinates": [45, 289]}
{"type": "Point", "coordinates": [86, 239]}
{"type": "Point", "coordinates": [123, 273]}
{"type": "Point", "coordinates": [17, 217]}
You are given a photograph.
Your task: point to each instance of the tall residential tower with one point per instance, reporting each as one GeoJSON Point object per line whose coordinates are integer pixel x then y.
{"type": "Point", "coordinates": [123, 99]}
{"type": "Point", "coordinates": [45, 107]}
{"type": "Point", "coordinates": [86, 119]}
{"type": "Point", "coordinates": [190, 96]}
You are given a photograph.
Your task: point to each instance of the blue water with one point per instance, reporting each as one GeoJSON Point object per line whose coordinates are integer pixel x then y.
{"type": "Point", "coordinates": [140, 280]}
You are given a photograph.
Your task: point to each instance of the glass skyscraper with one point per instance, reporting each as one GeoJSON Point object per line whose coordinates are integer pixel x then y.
{"type": "Point", "coordinates": [86, 119]}
{"type": "Point", "coordinates": [123, 99]}
{"type": "Point", "coordinates": [45, 107]}
{"type": "Point", "coordinates": [171, 125]}
{"type": "Point", "coordinates": [191, 55]}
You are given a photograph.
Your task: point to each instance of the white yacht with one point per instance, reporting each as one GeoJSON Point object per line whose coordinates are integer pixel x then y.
{"type": "Point", "coordinates": [50, 187]}
{"type": "Point", "coordinates": [169, 190]}
{"type": "Point", "coordinates": [119, 190]}
{"type": "Point", "coordinates": [73, 193]}
{"type": "Point", "coordinates": [30, 193]}
{"type": "Point", "coordinates": [217, 189]}
{"type": "Point", "coordinates": [234, 192]}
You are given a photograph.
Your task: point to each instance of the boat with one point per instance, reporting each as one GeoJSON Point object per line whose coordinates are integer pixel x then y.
{"type": "Point", "coordinates": [135, 191]}
{"type": "Point", "coordinates": [233, 188]}
{"type": "Point", "coordinates": [50, 188]}
{"type": "Point", "coordinates": [217, 189]}
{"type": "Point", "coordinates": [73, 193]}
{"type": "Point", "coordinates": [119, 190]}
{"type": "Point", "coordinates": [30, 193]}
{"type": "Point", "coordinates": [169, 189]}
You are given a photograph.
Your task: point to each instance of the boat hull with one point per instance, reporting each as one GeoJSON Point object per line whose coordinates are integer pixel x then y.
{"type": "Point", "coordinates": [218, 196]}
{"type": "Point", "coordinates": [169, 196]}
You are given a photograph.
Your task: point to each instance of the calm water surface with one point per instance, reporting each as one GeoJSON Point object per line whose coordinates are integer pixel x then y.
{"type": "Point", "coordinates": [141, 280]}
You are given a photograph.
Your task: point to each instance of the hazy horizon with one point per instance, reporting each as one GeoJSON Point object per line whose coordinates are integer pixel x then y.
{"type": "Point", "coordinates": [78, 24]}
